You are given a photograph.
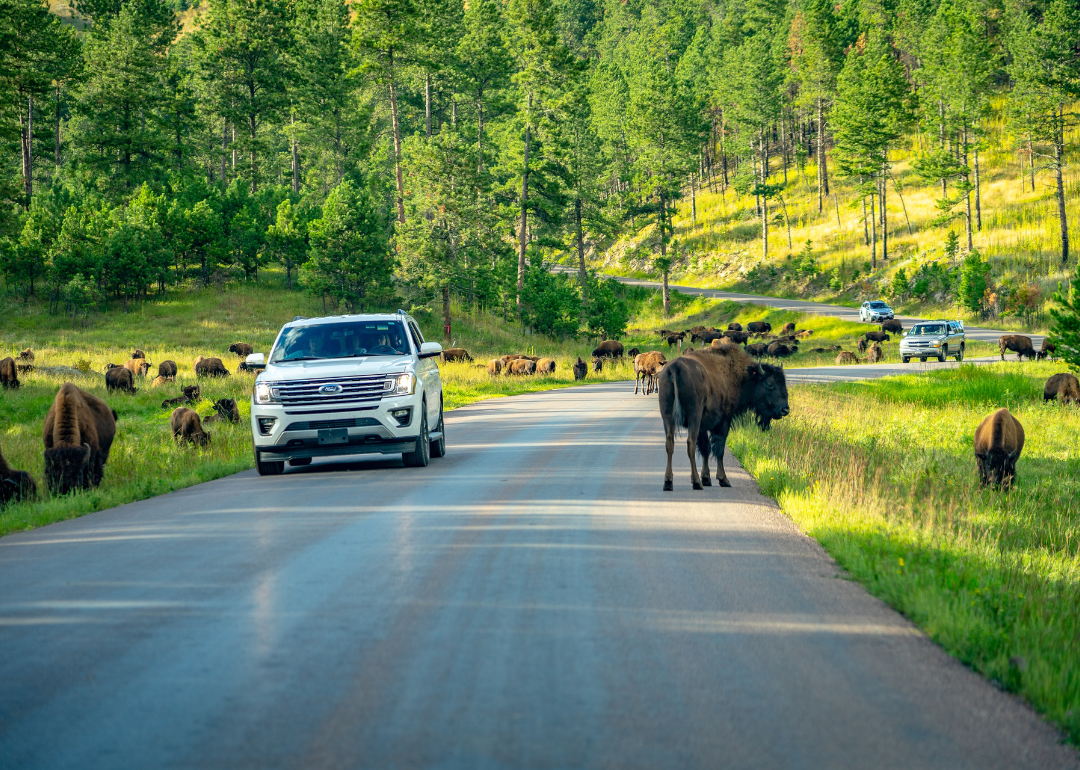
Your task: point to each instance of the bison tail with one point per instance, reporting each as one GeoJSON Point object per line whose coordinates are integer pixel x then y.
{"type": "Point", "coordinates": [677, 415]}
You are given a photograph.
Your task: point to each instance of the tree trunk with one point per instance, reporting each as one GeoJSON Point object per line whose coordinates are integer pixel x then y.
{"type": "Point", "coordinates": [967, 191]}
{"type": "Point", "coordinates": [295, 163]}
{"type": "Point", "coordinates": [663, 252]}
{"type": "Point", "coordinates": [978, 194]}
{"type": "Point", "coordinates": [873, 234]}
{"type": "Point", "coordinates": [396, 128]}
{"type": "Point", "coordinates": [884, 220]}
{"type": "Point", "coordinates": [446, 311]}
{"type": "Point", "coordinates": [479, 136]}
{"type": "Point", "coordinates": [27, 137]}
{"type": "Point", "coordinates": [693, 205]}
{"type": "Point", "coordinates": [764, 202]}
{"type": "Point", "coordinates": [522, 231]}
{"type": "Point", "coordinates": [941, 138]}
{"type": "Point", "coordinates": [57, 126]}
{"type": "Point", "coordinates": [865, 228]}
{"type": "Point", "coordinates": [427, 103]}
{"type": "Point", "coordinates": [1059, 148]}
{"type": "Point", "coordinates": [1031, 161]}
{"type": "Point", "coordinates": [580, 236]}
{"type": "Point", "coordinates": [224, 150]}
{"type": "Point", "coordinates": [823, 172]}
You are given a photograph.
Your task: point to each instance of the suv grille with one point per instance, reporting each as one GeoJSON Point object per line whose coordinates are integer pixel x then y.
{"type": "Point", "coordinates": [354, 390]}
{"type": "Point", "coordinates": [351, 422]}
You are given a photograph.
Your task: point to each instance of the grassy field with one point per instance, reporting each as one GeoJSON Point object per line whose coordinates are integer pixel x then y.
{"type": "Point", "coordinates": [882, 473]}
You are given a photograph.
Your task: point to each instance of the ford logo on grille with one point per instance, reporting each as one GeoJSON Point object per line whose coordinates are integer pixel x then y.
{"type": "Point", "coordinates": [330, 389]}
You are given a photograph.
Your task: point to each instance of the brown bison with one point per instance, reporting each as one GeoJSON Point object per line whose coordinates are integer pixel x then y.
{"type": "Point", "coordinates": [999, 440]}
{"type": "Point", "coordinates": [167, 369]}
{"type": "Point", "coordinates": [738, 337]}
{"type": "Point", "coordinates": [789, 328]}
{"type": "Point", "coordinates": [190, 395]}
{"type": "Point", "coordinates": [9, 375]}
{"type": "Point", "coordinates": [1018, 343]}
{"type": "Point", "coordinates": [137, 366]}
{"type": "Point", "coordinates": [580, 369]}
{"type": "Point", "coordinates": [757, 349]}
{"type": "Point", "coordinates": [78, 433]}
{"type": "Point", "coordinates": [610, 349]}
{"type": "Point", "coordinates": [1064, 387]}
{"type": "Point", "coordinates": [846, 358]}
{"type": "Point", "coordinates": [759, 327]}
{"type": "Point", "coordinates": [187, 428]}
{"type": "Point", "coordinates": [704, 392]}
{"type": "Point", "coordinates": [788, 339]}
{"type": "Point", "coordinates": [495, 367]}
{"type": "Point", "coordinates": [225, 410]}
{"type": "Point", "coordinates": [804, 334]}
{"type": "Point", "coordinates": [646, 367]}
{"type": "Point", "coordinates": [545, 366]}
{"type": "Point", "coordinates": [875, 354]}
{"type": "Point", "coordinates": [242, 349]}
{"type": "Point", "coordinates": [521, 366]}
{"type": "Point", "coordinates": [138, 354]}
{"type": "Point", "coordinates": [675, 339]}
{"type": "Point", "coordinates": [598, 365]}
{"type": "Point", "coordinates": [120, 378]}
{"type": "Point", "coordinates": [780, 350]}
{"type": "Point", "coordinates": [892, 325]}
{"type": "Point", "coordinates": [211, 367]}
{"type": "Point", "coordinates": [734, 327]}
{"type": "Point", "coordinates": [15, 485]}
{"type": "Point", "coordinates": [876, 337]}
{"type": "Point", "coordinates": [158, 382]}
{"type": "Point", "coordinates": [456, 354]}
{"type": "Point", "coordinates": [708, 337]}
{"type": "Point", "coordinates": [1047, 350]}
{"type": "Point", "coordinates": [861, 346]}
{"type": "Point", "coordinates": [26, 355]}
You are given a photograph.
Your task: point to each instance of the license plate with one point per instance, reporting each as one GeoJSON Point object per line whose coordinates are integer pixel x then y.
{"type": "Point", "coordinates": [333, 436]}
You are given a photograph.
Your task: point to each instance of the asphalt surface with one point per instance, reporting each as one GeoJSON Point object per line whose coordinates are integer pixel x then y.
{"type": "Point", "coordinates": [532, 600]}
{"type": "Point", "coordinates": [818, 308]}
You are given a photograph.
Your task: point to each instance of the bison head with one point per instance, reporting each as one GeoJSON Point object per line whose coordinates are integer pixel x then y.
{"type": "Point", "coordinates": [768, 395]}
{"type": "Point", "coordinates": [67, 468]}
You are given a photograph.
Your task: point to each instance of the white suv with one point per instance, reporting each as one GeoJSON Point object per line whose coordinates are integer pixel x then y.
{"type": "Point", "coordinates": [873, 312]}
{"type": "Point", "coordinates": [344, 385]}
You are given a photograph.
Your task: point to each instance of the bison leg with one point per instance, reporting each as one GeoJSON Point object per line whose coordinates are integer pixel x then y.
{"type": "Point", "coordinates": [719, 444]}
{"type": "Point", "coordinates": [669, 444]}
{"type": "Point", "coordinates": [984, 477]}
{"type": "Point", "coordinates": [693, 428]}
{"type": "Point", "coordinates": [703, 449]}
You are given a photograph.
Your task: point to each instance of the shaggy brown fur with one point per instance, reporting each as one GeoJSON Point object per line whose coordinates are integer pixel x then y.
{"type": "Point", "coordinates": [225, 410]}
{"type": "Point", "coordinates": [138, 354]}
{"type": "Point", "coordinates": [15, 485]}
{"type": "Point", "coordinates": [704, 391]}
{"type": "Point", "coordinates": [1018, 343]}
{"type": "Point", "coordinates": [759, 327]}
{"type": "Point", "coordinates": [26, 355]}
{"type": "Point", "coordinates": [78, 433]}
{"type": "Point", "coordinates": [875, 353]}
{"type": "Point", "coordinates": [522, 366]}
{"type": "Point", "coordinates": [167, 369]}
{"type": "Point", "coordinates": [456, 354]}
{"type": "Point", "coordinates": [494, 367]}
{"type": "Point", "coordinates": [675, 339]}
{"type": "Point", "coordinates": [137, 366]}
{"type": "Point", "coordinates": [876, 337]}
{"type": "Point", "coordinates": [580, 369]}
{"type": "Point", "coordinates": [861, 347]}
{"type": "Point", "coordinates": [804, 334]}
{"type": "Point", "coordinates": [646, 367]}
{"type": "Point", "coordinates": [613, 349]}
{"type": "Point", "coordinates": [734, 327]}
{"type": "Point", "coordinates": [187, 428]}
{"type": "Point", "coordinates": [242, 349]}
{"type": "Point", "coordinates": [211, 367]}
{"type": "Point", "coordinates": [847, 358]}
{"type": "Point", "coordinates": [757, 349]}
{"type": "Point", "coordinates": [632, 352]}
{"type": "Point", "coordinates": [191, 396]}
{"type": "Point", "coordinates": [789, 328]}
{"type": "Point", "coordinates": [892, 325]}
{"type": "Point", "coordinates": [999, 440]}
{"type": "Point", "coordinates": [120, 378]}
{"type": "Point", "coordinates": [1047, 350]}
{"type": "Point", "coordinates": [738, 337]}
{"type": "Point", "coordinates": [780, 350]}
{"type": "Point", "coordinates": [788, 339]}
{"type": "Point", "coordinates": [9, 375]}
{"type": "Point", "coordinates": [1064, 387]}
{"type": "Point", "coordinates": [545, 366]}
{"type": "Point", "coordinates": [159, 381]}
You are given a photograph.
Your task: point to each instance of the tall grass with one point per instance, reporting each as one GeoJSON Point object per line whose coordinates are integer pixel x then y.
{"type": "Point", "coordinates": [882, 473]}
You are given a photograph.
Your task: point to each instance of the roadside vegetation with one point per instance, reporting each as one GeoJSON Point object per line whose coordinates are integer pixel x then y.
{"type": "Point", "coordinates": [882, 473]}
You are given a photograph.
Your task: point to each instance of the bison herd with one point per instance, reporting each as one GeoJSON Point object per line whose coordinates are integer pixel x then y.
{"type": "Point", "coordinates": [79, 428]}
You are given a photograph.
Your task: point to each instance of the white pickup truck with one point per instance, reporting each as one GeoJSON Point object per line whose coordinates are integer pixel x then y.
{"type": "Point", "coordinates": [345, 385]}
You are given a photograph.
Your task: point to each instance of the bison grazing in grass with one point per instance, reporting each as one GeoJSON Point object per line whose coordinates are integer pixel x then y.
{"type": "Point", "coordinates": [187, 428]}
{"type": "Point", "coordinates": [15, 485]}
{"type": "Point", "coordinates": [545, 366]}
{"type": "Point", "coordinates": [120, 378]}
{"type": "Point", "coordinates": [26, 355]}
{"type": "Point", "coordinates": [9, 375]}
{"type": "Point", "coordinates": [646, 367]}
{"type": "Point", "coordinates": [892, 325]}
{"type": "Point", "coordinates": [167, 369]}
{"type": "Point", "coordinates": [191, 395]}
{"type": "Point", "coordinates": [1047, 350]}
{"type": "Point", "coordinates": [580, 369]}
{"type": "Point", "coordinates": [632, 352]}
{"type": "Point", "coordinates": [876, 337]}
{"type": "Point", "coordinates": [804, 334]}
{"type": "Point", "coordinates": [1064, 387]}
{"type": "Point", "coordinates": [738, 337]}
{"type": "Point", "coordinates": [211, 367]}
{"type": "Point", "coordinates": [875, 354]}
{"type": "Point", "coordinates": [225, 410]}
{"type": "Point", "coordinates": [242, 349]}
{"type": "Point", "coordinates": [137, 366]}
{"type": "Point", "coordinates": [1018, 343]}
{"type": "Point", "coordinates": [78, 433]}
{"type": "Point", "coordinates": [734, 327]}
{"type": "Point", "coordinates": [757, 349]}
{"type": "Point", "coordinates": [610, 349]}
{"type": "Point", "coordinates": [494, 367]}
{"type": "Point", "coordinates": [675, 339]}
{"type": "Point", "coordinates": [780, 350]}
{"type": "Point", "coordinates": [704, 392]}
{"type": "Point", "coordinates": [708, 337]}
{"type": "Point", "coordinates": [159, 381]}
{"type": "Point", "coordinates": [999, 440]}
{"type": "Point", "coordinates": [138, 354]}
{"type": "Point", "coordinates": [861, 346]}
{"type": "Point", "coordinates": [598, 365]}
{"type": "Point", "coordinates": [521, 366]}
{"type": "Point", "coordinates": [759, 327]}
{"type": "Point", "coordinates": [846, 358]}
{"type": "Point", "coordinates": [789, 328]}
{"type": "Point", "coordinates": [456, 354]}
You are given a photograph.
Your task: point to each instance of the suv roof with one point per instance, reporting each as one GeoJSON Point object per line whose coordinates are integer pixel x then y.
{"type": "Point", "coordinates": [300, 321]}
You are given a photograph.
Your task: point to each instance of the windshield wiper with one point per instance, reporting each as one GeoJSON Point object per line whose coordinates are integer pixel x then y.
{"type": "Point", "coordinates": [301, 358]}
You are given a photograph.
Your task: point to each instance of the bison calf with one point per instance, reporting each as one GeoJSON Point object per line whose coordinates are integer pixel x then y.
{"type": "Point", "coordinates": [138, 354]}
{"type": "Point", "coordinates": [598, 364]}
{"type": "Point", "coordinates": [78, 433]}
{"type": "Point", "coordinates": [580, 369]}
{"type": "Point", "coordinates": [158, 381]}
{"type": "Point", "coordinates": [1063, 387]}
{"type": "Point", "coordinates": [120, 378]}
{"type": "Point", "coordinates": [15, 485]}
{"type": "Point", "coordinates": [187, 428]}
{"type": "Point", "coordinates": [999, 440]}
{"type": "Point", "coordinates": [545, 366]}
{"type": "Point", "coordinates": [137, 366]}
{"type": "Point", "coordinates": [9, 375]}
{"type": "Point", "coordinates": [789, 328]}
{"type": "Point", "coordinates": [494, 367]}
{"type": "Point", "coordinates": [225, 410]}
{"type": "Point", "coordinates": [1047, 350]}
{"type": "Point", "coordinates": [190, 396]}
{"type": "Point", "coordinates": [1018, 343]}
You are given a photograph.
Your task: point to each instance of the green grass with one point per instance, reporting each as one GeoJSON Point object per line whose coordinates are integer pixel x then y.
{"type": "Point", "coordinates": [882, 473]}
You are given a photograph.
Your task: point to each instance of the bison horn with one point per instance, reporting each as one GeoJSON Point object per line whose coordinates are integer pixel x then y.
{"type": "Point", "coordinates": [760, 370]}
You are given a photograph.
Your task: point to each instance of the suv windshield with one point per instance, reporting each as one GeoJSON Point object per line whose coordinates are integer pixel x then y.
{"type": "Point", "coordinates": [928, 329]}
{"type": "Point", "coordinates": [878, 304]}
{"type": "Point", "coordinates": [341, 340]}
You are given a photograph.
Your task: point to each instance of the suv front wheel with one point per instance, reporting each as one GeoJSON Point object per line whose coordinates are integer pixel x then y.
{"type": "Point", "coordinates": [421, 455]}
{"type": "Point", "coordinates": [943, 354]}
{"type": "Point", "coordinates": [270, 468]}
{"type": "Point", "coordinates": [960, 354]}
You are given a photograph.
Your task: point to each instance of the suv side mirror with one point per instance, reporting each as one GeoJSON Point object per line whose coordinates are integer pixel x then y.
{"type": "Point", "coordinates": [430, 350]}
{"type": "Point", "coordinates": [256, 359]}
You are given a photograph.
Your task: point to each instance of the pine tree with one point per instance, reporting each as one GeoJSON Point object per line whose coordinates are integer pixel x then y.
{"type": "Point", "coordinates": [484, 64]}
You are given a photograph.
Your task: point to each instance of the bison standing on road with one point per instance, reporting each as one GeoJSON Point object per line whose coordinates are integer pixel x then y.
{"type": "Point", "coordinates": [999, 440]}
{"type": "Point", "coordinates": [242, 349]}
{"type": "Point", "coordinates": [187, 428]}
{"type": "Point", "coordinates": [609, 349]}
{"type": "Point", "coordinates": [704, 392]}
{"type": "Point", "coordinates": [892, 325]}
{"type": "Point", "coordinates": [9, 375]}
{"type": "Point", "coordinates": [210, 367]}
{"type": "Point", "coordinates": [646, 367]}
{"type": "Point", "coordinates": [1018, 343]}
{"type": "Point", "coordinates": [877, 337]}
{"type": "Point", "coordinates": [15, 485]}
{"type": "Point", "coordinates": [1064, 387]}
{"type": "Point", "coordinates": [1047, 350]}
{"type": "Point", "coordinates": [759, 327]}
{"type": "Point", "coordinates": [120, 378]}
{"type": "Point", "coordinates": [78, 433]}
{"type": "Point", "coordinates": [580, 369]}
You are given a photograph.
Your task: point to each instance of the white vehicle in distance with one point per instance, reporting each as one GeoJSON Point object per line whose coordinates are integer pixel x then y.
{"type": "Point", "coordinates": [939, 339]}
{"type": "Point", "coordinates": [875, 311]}
{"type": "Point", "coordinates": [346, 385]}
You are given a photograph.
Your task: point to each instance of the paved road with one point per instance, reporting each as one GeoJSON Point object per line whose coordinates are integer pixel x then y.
{"type": "Point", "coordinates": [532, 600]}
{"type": "Point", "coordinates": [818, 308]}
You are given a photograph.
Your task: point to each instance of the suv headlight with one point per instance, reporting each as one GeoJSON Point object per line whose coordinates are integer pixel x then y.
{"type": "Point", "coordinates": [265, 393]}
{"type": "Point", "coordinates": [402, 385]}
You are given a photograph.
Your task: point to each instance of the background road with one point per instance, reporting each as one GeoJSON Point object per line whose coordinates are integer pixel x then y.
{"type": "Point", "coordinates": [532, 600]}
{"type": "Point", "coordinates": [819, 308]}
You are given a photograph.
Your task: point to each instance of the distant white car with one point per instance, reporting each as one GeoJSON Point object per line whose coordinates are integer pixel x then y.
{"type": "Point", "coordinates": [875, 312]}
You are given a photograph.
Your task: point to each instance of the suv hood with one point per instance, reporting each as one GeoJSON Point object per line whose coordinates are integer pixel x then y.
{"type": "Point", "coordinates": [331, 368]}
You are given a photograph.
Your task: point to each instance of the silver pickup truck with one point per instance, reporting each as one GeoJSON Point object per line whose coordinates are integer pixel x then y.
{"type": "Point", "coordinates": [939, 339]}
